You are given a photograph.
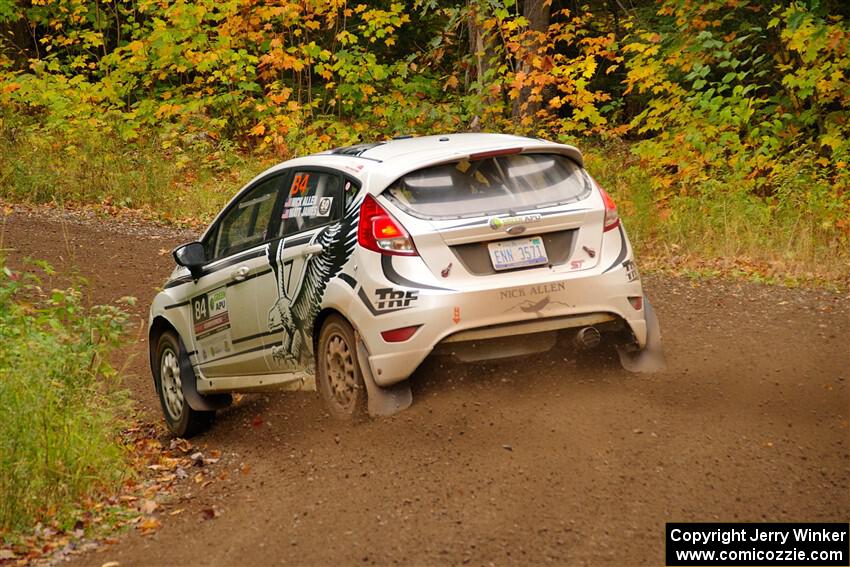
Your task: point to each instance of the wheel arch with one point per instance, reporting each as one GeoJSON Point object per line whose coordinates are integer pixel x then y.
{"type": "Point", "coordinates": [320, 320]}
{"type": "Point", "coordinates": [158, 327]}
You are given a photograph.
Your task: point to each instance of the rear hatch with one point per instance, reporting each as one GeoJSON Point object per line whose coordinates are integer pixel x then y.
{"type": "Point", "coordinates": [501, 218]}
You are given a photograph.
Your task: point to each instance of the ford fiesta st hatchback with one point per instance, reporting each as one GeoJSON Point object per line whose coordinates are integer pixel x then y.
{"type": "Point", "coordinates": [345, 269]}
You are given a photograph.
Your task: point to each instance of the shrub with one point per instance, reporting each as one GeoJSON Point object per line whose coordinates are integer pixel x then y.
{"type": "Point", "coordinates": [61, 399]}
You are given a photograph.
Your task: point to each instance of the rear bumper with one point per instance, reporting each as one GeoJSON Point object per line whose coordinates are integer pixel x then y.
{"type": "Point", "coordinates": [553, 303]}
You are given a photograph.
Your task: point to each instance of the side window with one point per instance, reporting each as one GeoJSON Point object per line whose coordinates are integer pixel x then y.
{"type": "Point", "coordinates": [350, 190]}
{"type": "Point", "coordinates": [247, 222]}
{"type": "Point", "coordinates": [313, 199]}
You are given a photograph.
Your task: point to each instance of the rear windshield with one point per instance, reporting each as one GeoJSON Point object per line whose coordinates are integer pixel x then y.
{"type": "Point", "coordinates": [490, 186]}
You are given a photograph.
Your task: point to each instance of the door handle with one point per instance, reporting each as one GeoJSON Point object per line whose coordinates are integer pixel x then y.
{"type": "Point", "coordinates": [312, 249]}
{"type": "Point", "coordinates": [240, 273]}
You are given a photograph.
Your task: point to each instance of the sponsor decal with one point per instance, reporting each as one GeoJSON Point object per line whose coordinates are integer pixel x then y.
{"type": "Point", "coordinates": [211, 324]}
{"type": "Point", "coordinates": [631, 270]}
{"type": "Point", "coordinates": [532, 290]}
{"type": "Point", "coordinates": [537, 307]}
{"type": "Point", "coordinates": [389, 298]}
{"type": "Point", "coordinates": [497, 223]}
{"type": "Point", "coordinates": [534, 303]}
{"type": "Point", "coordinates": [324, 208]}
{"type": "Point", "coordinates": [576, 264]}
{"type": "Point", "coordinates": [456, 316]}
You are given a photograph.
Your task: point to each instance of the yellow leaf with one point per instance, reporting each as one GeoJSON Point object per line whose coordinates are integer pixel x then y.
{"type": "Point", "coordinates": [258, 130]}
{"type": "Point", "coordinates": [149, 525]}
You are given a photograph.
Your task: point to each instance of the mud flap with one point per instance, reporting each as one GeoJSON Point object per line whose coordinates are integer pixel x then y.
{"type": "Point", "coordinates": [381, 401]}
{"type": "Point", "coordinates": [190, 388]}
{"type": "Point", "coordinates": [651, 357]}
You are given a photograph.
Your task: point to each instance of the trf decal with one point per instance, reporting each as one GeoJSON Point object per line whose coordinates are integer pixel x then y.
{"type": "Point", "coordinates": [389, 298]}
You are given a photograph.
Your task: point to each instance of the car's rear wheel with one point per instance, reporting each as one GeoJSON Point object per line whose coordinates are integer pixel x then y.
{"type": "Point", "coordinates": [338, 375]}
{"type": "Point", "coordinates": [171, 369]}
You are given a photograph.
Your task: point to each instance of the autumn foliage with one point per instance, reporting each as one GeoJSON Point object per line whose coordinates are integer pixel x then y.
{"type": "Point", "coordinates": [715, 100]}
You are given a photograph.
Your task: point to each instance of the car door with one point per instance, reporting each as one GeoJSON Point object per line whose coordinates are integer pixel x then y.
{"type": "Point", "coordinates": [228, 332]}
{"type": "Point", "coordinates": [313, 201]}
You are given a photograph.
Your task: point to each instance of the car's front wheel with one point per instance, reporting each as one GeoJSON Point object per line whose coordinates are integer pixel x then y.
{"type": "Point", "coordinates": [171, 369]}
{"type": "Point", "coordinates": [338, 376]}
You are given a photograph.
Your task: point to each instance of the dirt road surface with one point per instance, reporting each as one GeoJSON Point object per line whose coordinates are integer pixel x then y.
{"type": "Point", "coordinates": [529, 462]}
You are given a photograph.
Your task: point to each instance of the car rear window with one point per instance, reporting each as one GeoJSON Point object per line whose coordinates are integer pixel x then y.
{"type": "Point", "coordinates": [490, 186]}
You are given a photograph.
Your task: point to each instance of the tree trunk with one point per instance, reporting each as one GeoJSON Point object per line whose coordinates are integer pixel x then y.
{"type": "Point", "coordinates": [481, 46]}
{"type": "Point", "coordinates": [537, 12]}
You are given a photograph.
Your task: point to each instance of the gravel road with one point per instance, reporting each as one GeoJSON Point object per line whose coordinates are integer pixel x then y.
{"type": "Point", "coordinates": [549, 460]}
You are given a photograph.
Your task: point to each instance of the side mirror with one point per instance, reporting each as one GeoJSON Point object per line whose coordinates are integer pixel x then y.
{"type": "Point", "coordinates": [192, 256]}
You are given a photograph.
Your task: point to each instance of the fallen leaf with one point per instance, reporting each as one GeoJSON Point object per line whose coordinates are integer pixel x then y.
{"type": "Point", "coordinates": [257, 422]}
{"type": "Point", "coordinates": [149, 525]}
{"type": "Point", "coordinates": [177, 511]}
{"type": "Point", "coordinates": [148, 506]}
{"type": "Point", "coordinates": [111, 564]}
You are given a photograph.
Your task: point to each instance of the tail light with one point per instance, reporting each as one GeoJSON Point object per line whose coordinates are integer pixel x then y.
{"type": "Point", "coordinates": [380, 232]}
{"type": "Point", "coordinates": [612, 217]}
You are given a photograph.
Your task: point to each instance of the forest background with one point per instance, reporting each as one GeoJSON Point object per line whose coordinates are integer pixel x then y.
{"type": "Point", "coordinates": [720, 126]}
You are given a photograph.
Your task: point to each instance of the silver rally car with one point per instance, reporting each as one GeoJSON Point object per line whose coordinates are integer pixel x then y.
{"type": "Point", "coordinates": [343, 270]}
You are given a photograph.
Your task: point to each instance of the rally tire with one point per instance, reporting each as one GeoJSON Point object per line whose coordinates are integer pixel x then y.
{"type": "Point", "coordinates": [338, 375]}
{"type": "Point", "coordinates": [171, 369]}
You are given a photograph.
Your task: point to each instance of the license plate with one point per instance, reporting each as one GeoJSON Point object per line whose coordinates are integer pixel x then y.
{"type": "Point", "coordinates": [518, 253]}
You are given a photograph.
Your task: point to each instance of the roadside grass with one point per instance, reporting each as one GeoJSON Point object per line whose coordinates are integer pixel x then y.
{"type": "Point", "coordinates": [63, 405]}
{"type": "Point", "coordinates": [182, 181]}
{"type": "Point", "coordinates": [714, 229]}
{"type": "Point", "coordinates": [719, 231]}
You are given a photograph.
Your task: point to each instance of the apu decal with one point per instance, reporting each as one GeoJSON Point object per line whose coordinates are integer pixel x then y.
{"type": "Point", "coordinates": [300, 294]}
{"type": "Point", "coordinates": [211, 323]}
{"type": "Point", "coordinates": [389, 298]}
{"type": "Point", "coordinates": [631, 270]}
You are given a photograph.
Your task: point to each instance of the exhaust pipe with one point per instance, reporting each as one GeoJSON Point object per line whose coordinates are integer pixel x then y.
{"type": "Point", "coordinates": [588, 338]}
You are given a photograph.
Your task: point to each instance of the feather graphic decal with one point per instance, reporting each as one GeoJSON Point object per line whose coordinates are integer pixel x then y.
{"type": "Point", "coordinates": [300, 294]}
